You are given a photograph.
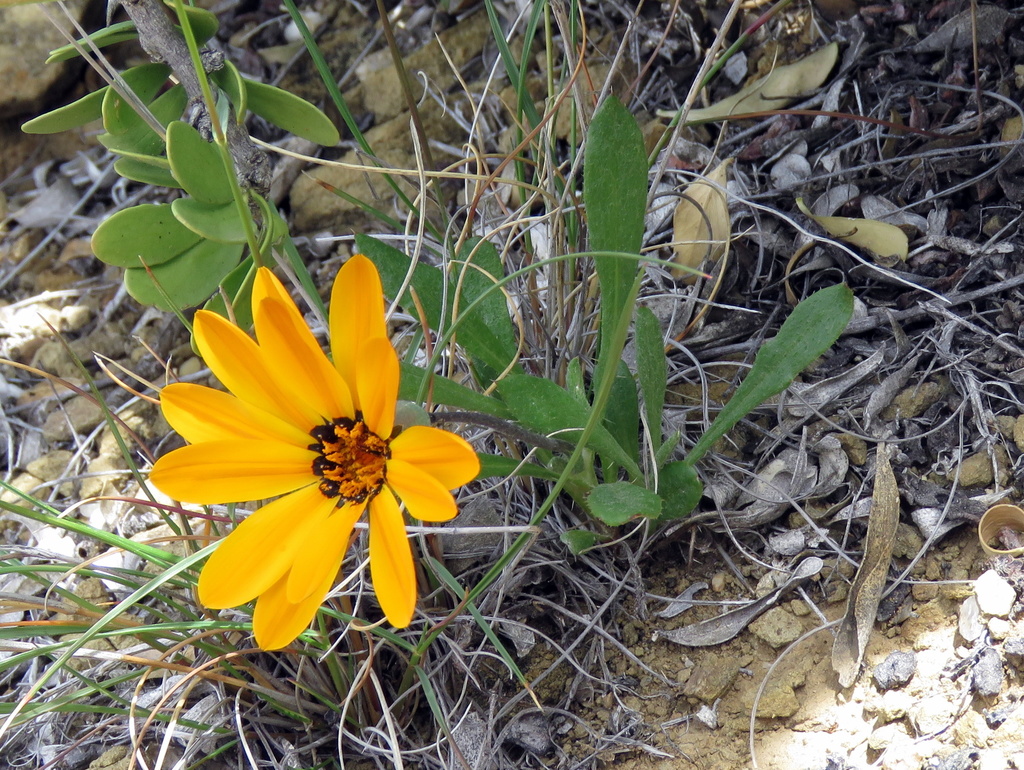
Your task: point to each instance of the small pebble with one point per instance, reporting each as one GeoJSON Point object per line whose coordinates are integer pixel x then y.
{"type": "Point", "coordinates": [999, 628]}
{"type": "Point", "coordinates": [1014, 647]}
{"type": "Point", "coordinates": [969, 623]}
{"type": "Point", "coordinates": [987, 676]}
{"type": "Point", "coordinates": [959, 760]}
{"type": "Point", "coordinates": [995, 595]}
{"type": "Point", "coordinates": [896, 670]}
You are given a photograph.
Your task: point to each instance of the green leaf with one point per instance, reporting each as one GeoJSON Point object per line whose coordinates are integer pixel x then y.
{"type": "Point", "coordinates": [680, 490]}
{"type": "Point", "coordinates": [186, 280]}
{"type": "Point", "coordinates": [145, 80]}
{"type": "Point", "coordinates": [490, 318]}
{"type": "Point", "coordinates": [542, 406]}
{"type": "Point", "coordinates": [231, 82]}
{"type": "Point", "coordinates": [615, 194]}
{"type": "Point", "coordinates": [620, 501]}
{"type": "Point", "coordinates": [434, 292]}
{"type": "Point", "coordinates": [146, 172]}
{"type": "Point", "coordinates": [622, 415]}
{"type": "Point", "coordinates": [651, 370]}
{"type": "Point", "coordinates": [197, 164]}
{"type": "Point", "coordinates": [138, 139]}
{"type": "Point", "coordinates": [498, 466]}
{"type": "Point", "coordinates": [579, 540]}
{"type": "Point", "coordinates": [574, 383]}
{"type": "Point", "coordinates": [237, 285]}
{"type": "Point", "coordinates": [219, 223]}
{"type": "Point", "coordinates": [149, 231]}
{"type": "Point", "coordinates": [811, 329]}
{"type": "Point", "coordinates": [445, 391]}
{"type": "Point", "coordinates": [290, 112]}
{"type": "Point", "coordinates": [109, 35]}
{"type": "Point", "coordinates": [204, 25]}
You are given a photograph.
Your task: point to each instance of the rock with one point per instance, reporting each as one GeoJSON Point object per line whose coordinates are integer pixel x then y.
{"type": "Point", "coordinates": [110, 469]}
{"type": "Point", "coordinates": [894, 705]}
{"type": "Point", "coordinates": [778, 701]}
{"type": "Point", "coordinates": [710, 678]}
{"type": "Point", "coordinates": [969, 623]}
{"type": "Point", "coordinates": [976, 470]}
{"type": "Point", "coordinates": [971, 730]}
{"type": "Point", "coordinates": [958, 760]}
{"type": "Point", "coordinates": [885, 736]}
{"type": "Point", "coordinates": [26, 38]}
{"type": "Point", "coordinates": [1018, 432]}
{"type": "Point", "coordinates": [924, 592]}
{"type": "Point", "coordinates": [53, 466]}
{"type": "Point", "coordinates": [932, 714]}
{"type": "Point", "coordinates": [999, 628]}
{"type": "Point", "coordinates": [987, 674]}
{"type": "Point", "coordinates": [778, 627]}
{"type": "Point", "coordinates": [1014, 648]}
{"type": "Point", "coordinates": [896, 670]}
{"type": "Point", "coordinates": [116, 757]}
{"type": "Point", "coordinates": [991, 759]}
{"type": "Point", "coordinates": [79, 415]}
{"type": "Point", "coordinates": [995, 595]}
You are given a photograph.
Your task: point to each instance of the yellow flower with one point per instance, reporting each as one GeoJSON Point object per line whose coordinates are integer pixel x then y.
{"type": "Point", "coordinates": [319, 436]}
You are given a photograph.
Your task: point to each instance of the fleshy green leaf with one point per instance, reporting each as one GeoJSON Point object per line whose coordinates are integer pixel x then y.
{"type": "Point", "coordinates": [230, 80]}
{"type": "Point", "coordinates": [615, 194]}
{"type": "Point", "coordinates": [219, 222]}
{"type": "Point", "coordinates": [187, 280]}
{"type": "Point", "coordinates": [145, 80]}
{"type": "Point", "coordinates": [290, 112]}
{"type": "Point", "coordinates": [651, 370]}
{"type": "Point", "coordinates": [146, 172]}
{"type": "Point", "coordinates": [811, 329]}
{"type": "Point", "coordinates": [680, 490]}
{"type": "Point", "coordinates": [620, 501]}
{"type": "Point", "coordinates": [490, 318]}
{"type": "Point", "coordinates": [139, 139]}
{"type": "Point", "coordinates": [197, 165]}
{"type": "Point", "coordinates": [150, 232]}
{"type": "Point", "coordinates": [237, 285]}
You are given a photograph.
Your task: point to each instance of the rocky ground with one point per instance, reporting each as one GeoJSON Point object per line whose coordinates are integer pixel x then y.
{"type": "Point", "coordinates": [932, 366]}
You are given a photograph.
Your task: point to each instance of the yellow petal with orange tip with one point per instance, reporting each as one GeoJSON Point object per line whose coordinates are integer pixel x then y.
{"type": "Point", "coordinates": [277, 622]}
{"type": "Point", "coordinates": [424, 496]}
{"type": "Point", "coordinates": [331, 539]}
{"type": "Point", "coordinates": [263, 548]}
{"type": "Point", "coordinates": [200, 414]}
{"type": "Point", "coordinates": [286, 340]}
{"type": "Point", "coordinates": [232, 471]}
{"type": "Point", "coordinates": [377, 385]}
{"type": "Point", "coordinates": [357, 314]}
{"type": "Point", "coordinates": [391, 567]}
{"type": "Point", "coordinates": [239, 363]}
{"type": "Point", "coordinates": [447, 457]}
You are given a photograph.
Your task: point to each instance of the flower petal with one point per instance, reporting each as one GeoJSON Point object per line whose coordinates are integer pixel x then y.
{"type": "Point", "coordinates": [243, 368]}
{"type": "Point", "coordinates": [377, 385]}
{"type": "Point", "coordinates": [424, 496]}
{"type": "Point", "coordinates": [231, 471]}
{"type": "Point", "coordinates": [331, 539]}
{"type": "Point", "coordinates": [447, 457]}
{"type": "Point", "coordinates": [260, 550]}
{"type": "Point", "coordinates": [202, 414]}
{"type": "Point", "coordinates": [285, 339]}
{"type": "Point", "coordinates": [394, 578]}
{"type": "Point", "coordinates": [357, 314]}
{"type": "Point", "coordinates": [276, 621]}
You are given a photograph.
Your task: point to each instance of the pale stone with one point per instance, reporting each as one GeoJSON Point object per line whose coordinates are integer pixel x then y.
{"type": "Point", "coordinates": [995, 595]}
{"type": "Point", "coordinates": [778, 627]}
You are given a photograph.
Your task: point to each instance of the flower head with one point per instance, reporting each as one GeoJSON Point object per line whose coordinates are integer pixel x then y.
{"type": "Point", "coordinates": [319, 436]}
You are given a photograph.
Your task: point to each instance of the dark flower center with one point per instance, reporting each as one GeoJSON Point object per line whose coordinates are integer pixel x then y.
{"type": "Point", "coordinates": [351, 460]}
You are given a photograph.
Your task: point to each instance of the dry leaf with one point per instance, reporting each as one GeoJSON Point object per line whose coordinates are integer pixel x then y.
{"type": "Point", "coordinates": [775, 90]}
{"type": "Point", "coordinates": [885, 240]}
{"type": "Point", "coordinates": [700, 226]}
{"type": "Point", "coordinates": [866, 591]}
